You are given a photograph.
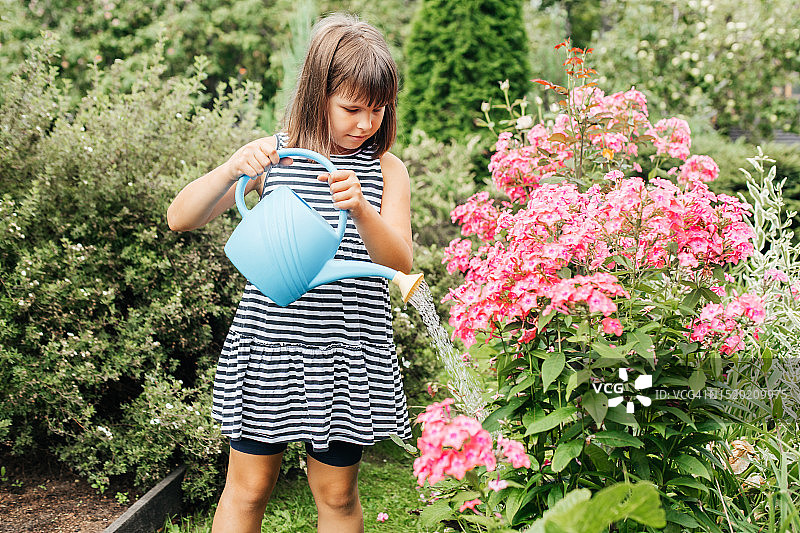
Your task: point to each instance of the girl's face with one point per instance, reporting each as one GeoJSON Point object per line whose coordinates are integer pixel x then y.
{"type": "Point", "coordinates": [352, 122]}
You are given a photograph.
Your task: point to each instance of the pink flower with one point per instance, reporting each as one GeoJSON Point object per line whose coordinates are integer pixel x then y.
{"type": "Point", "coordinates": [612, 325]}
{"type": "Point", "coordinates": [450, 446]}
{"type": "Point", "coordinates": [698, 168]}
{"type": "Point", "coordinates": [469, 505]}
{"type": "Point", "coordinates": [773, 274]}
{"type": "Point", "coordinates": [497, 484]}
{"type": "Point", "coordinates": [383, 517]}
{"type": "Point", "coordinates": [673, 137]}
{"type": "Point", "coordinates": [514, 452]}
{"type": "Point", "coordinates": [726, 324]}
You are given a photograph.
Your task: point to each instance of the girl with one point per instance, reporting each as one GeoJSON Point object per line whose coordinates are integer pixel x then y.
{"type": "Point", "coordinates": [322, 370]}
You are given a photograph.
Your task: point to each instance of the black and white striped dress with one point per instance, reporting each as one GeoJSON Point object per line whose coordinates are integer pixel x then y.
{"type": "Point", "coordinates": [323, 368]}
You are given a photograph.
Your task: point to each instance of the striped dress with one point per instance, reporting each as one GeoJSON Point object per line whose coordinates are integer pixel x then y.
{"type": "Point", "coordinates": [323, 368]}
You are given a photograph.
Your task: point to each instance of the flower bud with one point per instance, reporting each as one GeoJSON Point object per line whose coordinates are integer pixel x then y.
{"type": "Point", "coordinates": [524, 122]}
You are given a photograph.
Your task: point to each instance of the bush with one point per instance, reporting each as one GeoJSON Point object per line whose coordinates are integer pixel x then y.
{"type": "Point", "coordinates": [110, 323]}
{"type": "Point", "coordinates": [588, 277]}
{"type": "Point", "coordinates": [238, 36]}
{"type": "Point", "coordinates": [455, 55]}
{"type": "Point", "coordinates": [730, 156]}
{"type": "Point", "coordinates": [719, 60]}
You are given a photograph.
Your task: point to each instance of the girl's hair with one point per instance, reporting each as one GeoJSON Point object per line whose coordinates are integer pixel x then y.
{"type": "Point", "coordinates": [350, 57]}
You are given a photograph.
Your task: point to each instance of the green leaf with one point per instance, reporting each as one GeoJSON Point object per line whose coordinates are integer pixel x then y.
{"type": "Point", "coordinates": [435, 513]}
{"type": "Point", "coordinates": [565, 453]}
{"type": "Point", "coordinates": [561, 415]}
{"type": "Point", "coordinates": [690, 482]}
{"type": "Point", "coordinates": [596, 404]}
{"type": "Point", "coordinates": [643, 345]}
{"type": "Point", "coordinates": [552, 368]}
{"type": "Point", "coordinates": [599, 458]}
{"type": "Point", "coordinates": [479, 519]}
{"type": "Point", "coordinates": [524, 384]}
{"type": "Point", "coordinates": [692, 465]}
{"type": "Point", "coordinates": [641, 463]}
{"type": "Point", "coordinates": [544, 320]}
{"type": "Point", "coordinates": [617, 439]}
{"type": "Point", "coordinates": [681, 519]}
{"type": "Point", "coordinates": [492, 422]}
{"type": "Point", "coordinates": [406, 446]}
{"type": "Point", "coordinates": [620, 416]}
{"type": "Point", "coordinates": [577, 378]}
{"type": "Point", "coordinates": [680, 414]}
{"type": "Point", "coordinates": [579, 512]}
{"type": "Point", "coordinates": [606, 351]}
{"type": "Point", "coordinates": [513, 503]}
{"type": "Point", "coordinates": [690, 301]}
{"type": "Point", "coordinates": [697, 380]}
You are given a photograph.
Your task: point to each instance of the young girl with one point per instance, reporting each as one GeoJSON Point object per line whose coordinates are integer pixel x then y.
{"type": "Point", "coordinates": [322, 370]}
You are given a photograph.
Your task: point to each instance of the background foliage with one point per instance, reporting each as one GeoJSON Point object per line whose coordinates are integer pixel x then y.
{"type": "Point", "coordinates": [455, 54]}
{"type": "Point", "coordinates": [239, 36]}
{"type": "Point", "coordinates": [725, 61]}
{"type": "Point", "coordinates": [110, 324]}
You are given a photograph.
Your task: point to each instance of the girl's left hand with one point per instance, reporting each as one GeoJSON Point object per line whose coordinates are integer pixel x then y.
{"type": "Point", "coordinates": [346, 191]}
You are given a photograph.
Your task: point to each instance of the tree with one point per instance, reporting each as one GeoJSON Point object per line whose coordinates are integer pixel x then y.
{"type": "Point", "coordinates": [456, 53]}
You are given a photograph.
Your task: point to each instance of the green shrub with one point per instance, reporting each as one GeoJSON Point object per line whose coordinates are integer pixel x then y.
{"type": "Point", "coordinates": [111, 324]}
{"type": "Point", "coordinates": [719, 60]}
{"type": "Point", "coordinates": [238, 36]}
{"type": "Point", "coordinates": [455, 55]}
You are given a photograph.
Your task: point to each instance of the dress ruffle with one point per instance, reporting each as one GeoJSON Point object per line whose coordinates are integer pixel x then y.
{"type": "Point", "coordinates": [284, 392]}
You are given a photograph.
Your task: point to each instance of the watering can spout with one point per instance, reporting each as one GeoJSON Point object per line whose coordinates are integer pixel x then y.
{"type": "Point", "coordinates": [408, 284]}
{"type": "Point", "coordinates": [336, 269]}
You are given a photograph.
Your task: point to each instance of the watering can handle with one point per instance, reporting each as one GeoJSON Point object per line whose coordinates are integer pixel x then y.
{"type": "Point", "coordinates": [292, 152]}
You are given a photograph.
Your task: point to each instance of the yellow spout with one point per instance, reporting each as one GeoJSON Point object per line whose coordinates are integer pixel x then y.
{"type": "Point", "coordinates": [408, 283]}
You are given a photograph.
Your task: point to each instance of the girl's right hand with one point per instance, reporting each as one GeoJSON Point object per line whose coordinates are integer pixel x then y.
{"type": "Point", "coordinates": [253, 158]}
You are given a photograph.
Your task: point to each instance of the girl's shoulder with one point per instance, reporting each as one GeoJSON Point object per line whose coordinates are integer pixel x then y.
{"type": "Point", "coordinates": [392, 165]}
{"type": "Point", "coordinates": [394, 171]}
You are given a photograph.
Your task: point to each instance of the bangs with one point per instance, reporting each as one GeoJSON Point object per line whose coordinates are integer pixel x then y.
{"type": "Point", "coordinates": [348, 58]}
{"type": "Point", "coordinates": [368, 79]}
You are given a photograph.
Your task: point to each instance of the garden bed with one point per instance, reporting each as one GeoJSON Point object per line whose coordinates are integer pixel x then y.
{"type": "Point", "coordinates": [39, 494]}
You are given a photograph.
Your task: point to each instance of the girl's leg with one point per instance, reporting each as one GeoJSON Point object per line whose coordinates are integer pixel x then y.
{"type": "Point", "coordinates": [335, 490]}
{"type": "Point", "coordinates": [248, 486]}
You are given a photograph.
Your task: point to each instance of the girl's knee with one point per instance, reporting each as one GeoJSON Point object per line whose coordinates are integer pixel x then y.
{"type": "Point", "coordinates": [251, 478]}
{"type": "Point", "coordinates": [341, 500]}
{"type": "Point", "coordinates": [248, 493]}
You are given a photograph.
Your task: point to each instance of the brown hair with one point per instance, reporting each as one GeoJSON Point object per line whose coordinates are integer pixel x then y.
{"type": "Point", "coordinates": [349, 56]}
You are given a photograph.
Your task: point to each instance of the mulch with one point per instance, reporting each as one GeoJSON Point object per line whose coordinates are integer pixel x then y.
{"type": "Point", "coordinates": [40, 495]}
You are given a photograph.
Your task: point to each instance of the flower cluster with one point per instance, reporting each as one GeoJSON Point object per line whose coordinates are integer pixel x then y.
{"type": "Point", "coordinates": [452, 446]}
{"type": "Point", "coordinates": [698, 168]}
{"type": "Point", "coordinates": [725, 323]}
{"type": "Point", "coordinates": [518, 269]}
{"type": "Point", "coordinates": [672, 137]}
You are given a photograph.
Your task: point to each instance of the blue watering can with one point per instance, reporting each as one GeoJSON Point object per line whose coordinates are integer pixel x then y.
{"type": "Point", "coordinates": [285, 248]}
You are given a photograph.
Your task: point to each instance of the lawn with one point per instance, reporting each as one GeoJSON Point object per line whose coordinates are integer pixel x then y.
{"type": "Point", "coordinates": [386, 485]}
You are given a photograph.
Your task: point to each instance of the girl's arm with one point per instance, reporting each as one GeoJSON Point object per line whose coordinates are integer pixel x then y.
{"type": "Point", "coordinates": [387, 235]}
{"type": "Point", "coordinates": [207, 197]}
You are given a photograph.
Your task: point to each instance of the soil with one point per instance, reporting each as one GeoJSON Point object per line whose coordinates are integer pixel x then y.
{"type": "Point", "coordinates": [41, 495]}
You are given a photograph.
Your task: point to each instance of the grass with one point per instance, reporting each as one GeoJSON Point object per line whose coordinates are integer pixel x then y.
{"type": "Point", "coordinates": [386, 485]}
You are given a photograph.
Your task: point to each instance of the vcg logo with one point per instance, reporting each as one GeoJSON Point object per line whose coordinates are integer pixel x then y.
{"type": "Point", "coordinates": [645, 381]}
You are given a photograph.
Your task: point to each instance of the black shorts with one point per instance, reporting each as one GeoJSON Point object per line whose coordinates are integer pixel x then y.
{"type": "Point", "coordinates": [338, 453]}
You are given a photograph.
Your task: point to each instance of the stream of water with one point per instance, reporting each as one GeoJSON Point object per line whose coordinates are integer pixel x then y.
{"type": "Point", "coordinates": [463, 384]}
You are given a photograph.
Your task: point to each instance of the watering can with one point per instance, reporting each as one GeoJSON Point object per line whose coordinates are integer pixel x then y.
{"type": "Point", "coordinates": [285, 248]}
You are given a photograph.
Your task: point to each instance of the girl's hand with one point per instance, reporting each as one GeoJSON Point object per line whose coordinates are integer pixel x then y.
{"type": "Point", "coordinates": [346, 191]}
{"type": "Point", "coordinates": [253, 158]}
